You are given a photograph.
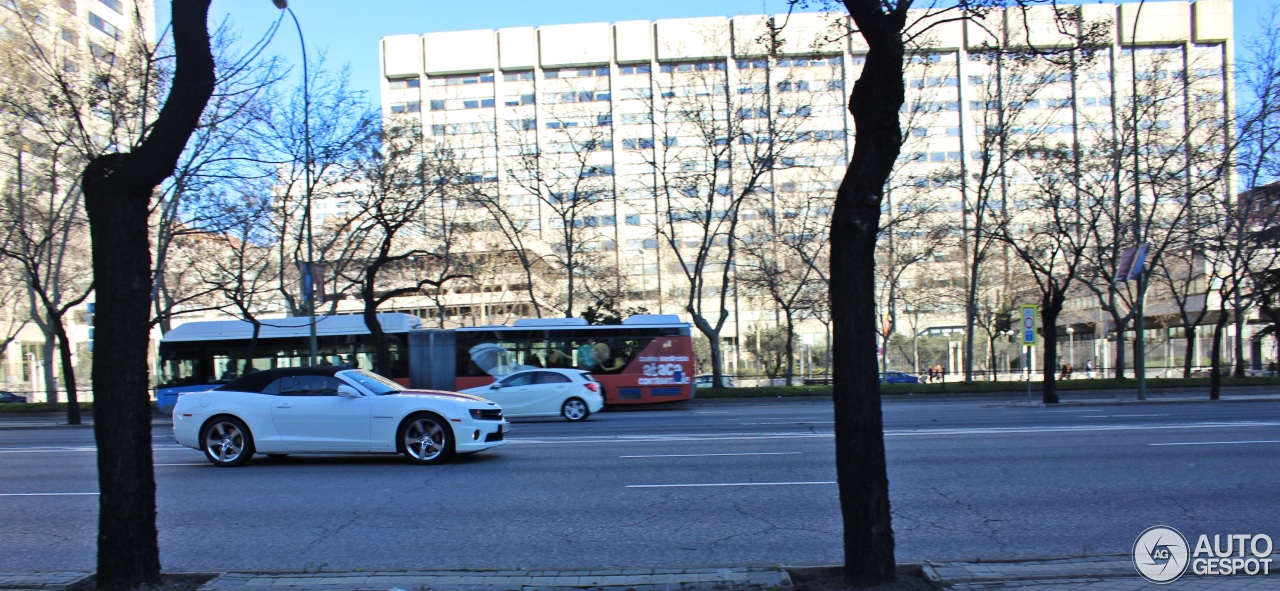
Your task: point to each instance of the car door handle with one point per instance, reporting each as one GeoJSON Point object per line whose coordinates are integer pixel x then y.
{"type": "Point", "coordinates": [284, 406]}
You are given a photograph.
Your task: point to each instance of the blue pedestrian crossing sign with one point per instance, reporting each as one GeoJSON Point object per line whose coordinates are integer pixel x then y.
{"type": "Point", "coordinates": [1028, 325]}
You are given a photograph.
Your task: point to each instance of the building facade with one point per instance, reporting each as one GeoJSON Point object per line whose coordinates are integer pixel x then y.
{"type": "Point", "coordinates": [636, 148]}
{"type": "Point", "coordinates": [50, 46]}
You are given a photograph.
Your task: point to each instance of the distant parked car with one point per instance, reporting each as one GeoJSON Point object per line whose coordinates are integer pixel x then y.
{"type": "Point", "coordinates": [897, 377]}
{"type": "Point", "coordinates": [705, 380]}
{"type": "Point", "coordinates": [570, 393]}
{"type": "Point", "coordinates": [10, 397]}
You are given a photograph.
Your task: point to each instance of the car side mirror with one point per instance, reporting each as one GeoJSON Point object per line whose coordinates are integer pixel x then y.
{"type": "Point", "coordinates": [346, 391]}
{"type": "Point", "coordinates": [496, 386]}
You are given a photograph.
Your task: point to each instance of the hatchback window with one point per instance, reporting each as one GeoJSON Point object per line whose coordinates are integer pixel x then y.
{"type": "Point", "coordinates": [520, 379]}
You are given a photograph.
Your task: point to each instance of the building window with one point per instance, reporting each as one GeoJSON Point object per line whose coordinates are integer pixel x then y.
{"type": "Point", "coordinates": [518, 100]}
{"type": "Point", "coordinates": [101, 53]}
{"type": "Point", "coordinates": [693, 67]}
{"type": "Point", "coordinates": [113, 5]}
{"type": "Point", "coordinates": [96, 22]}
{"type": "Point", "coordinates": [459, 80]}
{"type": "Point", "coordinates": [517, 76]}
{"type": "Point", "coordinates": [639, 69]}
{"type": "Point", "coordinates": [404, 83]}
{"type": "Point", "coordinates": [409, 107]}
{"type": "Point", "coordinates": [602, 71]}
{"type": "Point", "coordinates": [801, 62]}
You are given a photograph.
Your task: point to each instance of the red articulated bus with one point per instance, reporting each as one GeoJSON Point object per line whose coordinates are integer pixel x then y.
{"type": "Point", "coordinates": [646, 359]}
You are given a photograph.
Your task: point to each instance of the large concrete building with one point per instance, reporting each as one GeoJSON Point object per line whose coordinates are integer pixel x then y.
{"type": "Point", "coordinates": [47, 44]}
{"type": "Point", "coordinates": [627, 114]}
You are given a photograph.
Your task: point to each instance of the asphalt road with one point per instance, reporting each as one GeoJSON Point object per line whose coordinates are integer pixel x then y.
{"type": "Point", "coordinates": [711, 484]}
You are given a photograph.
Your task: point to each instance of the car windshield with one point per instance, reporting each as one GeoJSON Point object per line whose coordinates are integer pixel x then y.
{"type": "Point", "coordinates": [372, 382]}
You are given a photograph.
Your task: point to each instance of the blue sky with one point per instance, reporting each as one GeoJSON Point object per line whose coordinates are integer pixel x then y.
{"type": "Point", "coordinates": [348, 32]}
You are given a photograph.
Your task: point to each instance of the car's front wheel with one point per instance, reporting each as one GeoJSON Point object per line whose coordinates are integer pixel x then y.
{"type": "Point", "coordinates": [575, 409]}
{"type": "Point", "coordinates": [426, 439]}
{"type": "Point", "coordinates": [226, 441]}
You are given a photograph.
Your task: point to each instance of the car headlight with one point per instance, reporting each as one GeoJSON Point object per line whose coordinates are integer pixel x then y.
{"type": "Point", "coordinates": [486, 414]}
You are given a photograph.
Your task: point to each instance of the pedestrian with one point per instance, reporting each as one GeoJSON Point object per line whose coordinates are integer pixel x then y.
{"type": "Point", "coordinates": [1088, 369]}
{"type": "Point", "coordinates": [934, 371]}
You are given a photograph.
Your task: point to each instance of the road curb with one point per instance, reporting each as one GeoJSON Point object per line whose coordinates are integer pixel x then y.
{"type": "Point", "coordinates": [618, 579]}
{"type": "Point", "coordinates": [1100, 567]}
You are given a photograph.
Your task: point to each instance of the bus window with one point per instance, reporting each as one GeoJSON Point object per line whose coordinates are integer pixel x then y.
{"type": "Point", "coordinates": [178, 371]}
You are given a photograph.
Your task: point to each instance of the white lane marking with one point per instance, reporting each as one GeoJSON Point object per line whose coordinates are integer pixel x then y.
{"type": "Point", "coordinates": [792, 419]}
{"type": "Point", "coordinates": [194, 464]}
{"type": "Point", "coordinates": [711, 412]}
{"type": "Point", "coordinates": [795, 422]}
{"type": "Point", "coordinates": [53, 494]}
{"type": "Point", "coordinates": [78, 448]}
{"type": "Point", "coordinates": [728, 484]}
{"type": "Point", "coordinates": [915, 433]}
{"type": "Point", "coordinates": [1216, 442]}
{"type": "Point", "coordinates": [1120, 416]}
{"type": "Point", "coordinates": [763, 453]}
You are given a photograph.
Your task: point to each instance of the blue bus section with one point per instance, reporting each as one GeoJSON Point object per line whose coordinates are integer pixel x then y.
{"type": "Point", "coordinates": [166, 397]}
{"type": "Point", "coordinates": [203, 355]}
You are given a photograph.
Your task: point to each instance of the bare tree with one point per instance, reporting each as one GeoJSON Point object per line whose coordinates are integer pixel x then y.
{"type": "Point", "coordinates": [1234, 262]}
{"type": "Point", "coordinates": [393, 190]}
{"type": "Point", "coordinates": [203, 196]}
{"type": "Point", "coordinates": [1050, 232]}
{"type": "Point", "coordinates": [44, 212]}
{"type": "Point", "coordinates": [118, 189]}
{"type": "Point", "coordinates": [46, 237]}
{"type": "Point", "coordinates": [571, 176]}
{"type": "Point", "coordinates": [337, 140]}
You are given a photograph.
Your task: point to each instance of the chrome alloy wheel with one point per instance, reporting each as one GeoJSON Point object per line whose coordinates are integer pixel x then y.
{"type": "Point", "coordinates": [425, 439]}
{"type": "Point", "coordinates": [226, 443]}
{"type": "Point", "coordinates": [575, 409]}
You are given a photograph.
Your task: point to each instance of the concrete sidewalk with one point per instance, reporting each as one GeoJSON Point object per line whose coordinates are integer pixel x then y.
{"type": "Point", "coordinates": [660, 579]}
{"type": "Point", "coordinates": [1093, 573]}
{"type": "Point", "coordinates": [1097, 573]}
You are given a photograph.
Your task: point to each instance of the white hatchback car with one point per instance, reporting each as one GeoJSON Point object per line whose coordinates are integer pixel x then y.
{"type": "Point", "coordinates": [570, 393]}
{"type": "Point", "coordinates": [333, 410]}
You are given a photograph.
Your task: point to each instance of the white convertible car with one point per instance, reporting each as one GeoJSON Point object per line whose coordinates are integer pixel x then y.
{"type": "Point", "coordinates": [333, 410]}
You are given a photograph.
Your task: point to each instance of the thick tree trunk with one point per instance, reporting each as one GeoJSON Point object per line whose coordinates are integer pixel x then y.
{"type": "Point", "coordinates": [1049, 320]}
{"type": "Point", "coordinates": [1215, 357]}
{"type": "Point", "coordinates": [68, 374]}
{"type": "Point", "coordinates": [1238, 342]}
{"type": "Point", "coordinates": [860, 461]}
{"type": "Point", "coordinates": [118, 190]}
{"type": "Point", "coordinates": [128, 552]}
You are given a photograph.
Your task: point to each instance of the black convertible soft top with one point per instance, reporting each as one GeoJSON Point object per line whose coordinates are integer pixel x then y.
{"type": "Point", "coordinates": [256, 381]}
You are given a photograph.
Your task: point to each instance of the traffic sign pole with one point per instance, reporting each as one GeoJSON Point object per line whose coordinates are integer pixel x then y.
{"type": "Point", "coordinates": [1029, 317]}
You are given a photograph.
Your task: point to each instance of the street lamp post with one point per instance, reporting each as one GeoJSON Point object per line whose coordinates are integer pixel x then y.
{"type": "Point", "coordinates": [1071, 345]}
{"type": "Point", "coordinates": [1012, 348]}
{"type": "Point", "coordinates": [308, 268]}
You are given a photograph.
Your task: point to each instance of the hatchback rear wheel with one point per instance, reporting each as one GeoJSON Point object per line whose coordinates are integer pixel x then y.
{"type": "Point", "coordinates": [575, 409]}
